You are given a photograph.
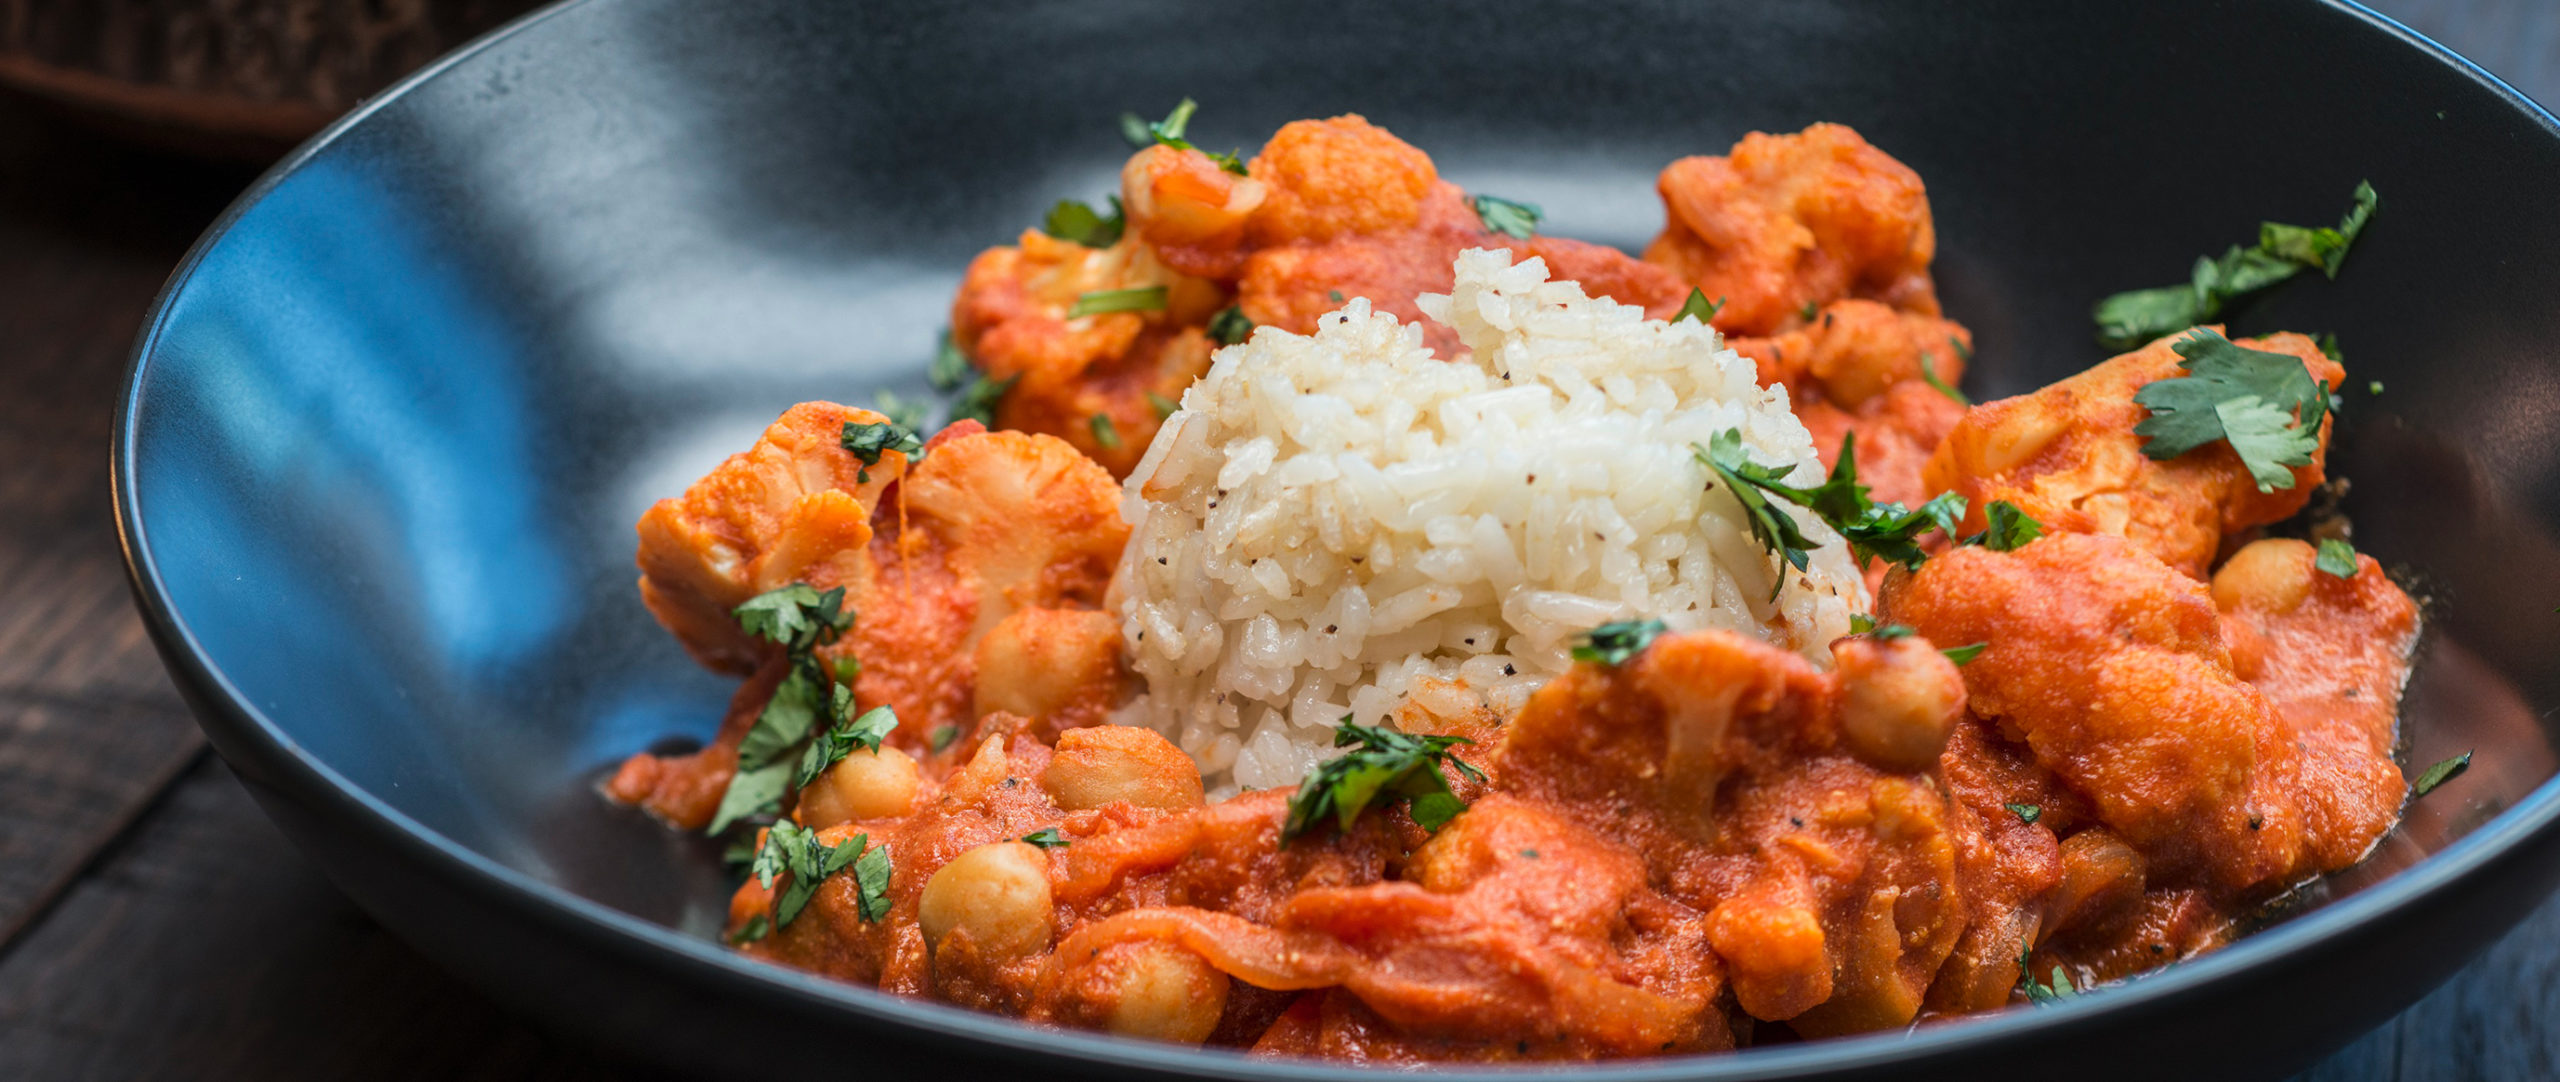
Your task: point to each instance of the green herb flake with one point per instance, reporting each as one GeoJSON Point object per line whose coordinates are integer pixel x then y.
{"type": "Point", "coordinates": [2336, 558]}
{"type": "Point", "coordinates": [868, 442]}
{"type": "Point", "coordinates": [2439, 774]}
{"type": "Point", "coordinates": [1965, 654]}
{"type": "Point", "coordinates": [898, 410]}
{"type": "Point", "coordinates": [788, 847]}
{"type": "Point", "coordinates": [1698, 307]}
{"type": "Point", "coordinates": [1614, 642]}
{"type": "Point", "coordinates": [1334, 294]}
{"type": "Point", "coordinates": [1170, 132]}
{"type": "Point", "coordinates": [1874, 531]}
{"type": "Point", "coordinates": [1230, 326]}
{"type": "Point", "coordinates": [2057, 990]}
{"type": "Point", "coordinates": [1383, 766]}
{"type": "Point", "coordinates": [1072, 220]}
{"type": "Point", "coordinates": [1046, 838]}
{"type": "Point", "coordinates": [756, 927]}
{"type": "Point", "coordinates": [950, 369]}
{"type": "Point", "coordinates": [2026, 813]}
{"type": "Point", "coordinates": [2126, 320]}
{"type": "Point", "coordinates": [978, 403]}
{"type": "Point", "coordinates": [1512, 219]}
{"type": "Point", "coordinates": [1929, 376]}
{"type": "Point", "coordinates": [1807, 312]}
{"type": "Point", "coordinates": [1164, 407]}
{"type": "Point", "coordinates": [2374, 387]}
{"type": "Point", "coordinates": [1860, 623]}
{"type": "Point", "coordinates": [1106, 435]}
{"type": "Point", "coordinates": [840, 739]}
{"type": "Point", "coordinates": [1890, 632]}
{"type": "Point", "coordinates": [2006, 528]}
{"type": "Point", "coordinates": [2265, 405]}
{"type": "Point", "coordinates": [1100, 301]}
{"type": "Point", "coordinates": [942, 736]}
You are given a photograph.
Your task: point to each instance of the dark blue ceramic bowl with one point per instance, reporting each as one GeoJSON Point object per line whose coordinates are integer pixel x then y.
{"type": "Point", "coordinates": [391, 423]}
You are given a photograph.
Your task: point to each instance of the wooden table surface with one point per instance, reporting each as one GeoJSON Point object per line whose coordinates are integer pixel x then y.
{"type": "Point", "coordinates": [154, 925]}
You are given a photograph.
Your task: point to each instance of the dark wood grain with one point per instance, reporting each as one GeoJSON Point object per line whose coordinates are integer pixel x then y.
{"type": "Point", "coordinates": [154, 925]}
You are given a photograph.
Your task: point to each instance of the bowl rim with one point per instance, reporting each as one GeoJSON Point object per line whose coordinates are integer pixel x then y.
{"type": "Point", "coordinates": [222, 705]}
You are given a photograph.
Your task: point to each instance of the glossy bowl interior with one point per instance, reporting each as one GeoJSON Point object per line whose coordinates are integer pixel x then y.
{"type": "Point", "coordinates": [391, 423]}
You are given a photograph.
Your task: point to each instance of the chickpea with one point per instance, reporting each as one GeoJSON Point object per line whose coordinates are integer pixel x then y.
{"type": "Point", "coordinates": [1899, 699]}
{"type": "Point", "coordinates": [2270, 576]}
{"type": "Point", "coordinates": [1163, 991]}
{"type": "Point", "coordinates": [1098, 765]}
{"type": "Point", "coordinates": [998, 894]}
{"type": "Point", "coordinates": [863, 785]}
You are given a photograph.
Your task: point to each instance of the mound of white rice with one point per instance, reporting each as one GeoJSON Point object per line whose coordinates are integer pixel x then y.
{"type": "Point", "coordinates": [1332, 522]}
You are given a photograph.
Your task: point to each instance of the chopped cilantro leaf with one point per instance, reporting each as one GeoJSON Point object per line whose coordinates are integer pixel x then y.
{"type": "Point", "coordinates": [796, 617]}
{"type": "Point", "coordinates": [865, 732]}
{"type": "Point", "coordinates": [1231, 161]}
{"type": "Point", "coordinates": [1860, 623]}
{"type": "Point", "coordinates": [2328, 344]}
{"type": "Point", "coordinates": [1874, 531]}
{"type": "Point", "coordinates": [1807, 312]}
{"type": "Point", "coordinates": [1513, 219]}
{"type": "Point", "coordinates": [2265, 405]}
{"type": "Point", "coordinates": [1334, 294]}
{"type": "Point", "coordinates": [950, 366]}
{"type": "Point", "coordinates": [1964, 654]}
{"type": "Point", "coordinates": [1230, 326]}
{"type": "Point", "coordinates": [2374, 387]}
{"type": "Point", "coordinates": [1385, 766]}
{"type": "Point", "coordinates": [790, 848]}
{"type": "Point", "coordinates": [1890, 632]}
{"type": "Point", "coordinates": [756, 927]}
{"type": "Point", "coordinates": [764, 766]}
{"type": "Point", "coordinates": [2026, 813]}
{"type": "Point", "coordinates": [1073, 220]}
{"type": "Point", "coordinates": [978, 403]}
{"type": "Point", "coordinates": [942, 736]}
{"type": "Point", "coordinates": [1698, 307]}
{"type": "Point", "coordinates": [2439, 774]}
{"type": "Point", "coordinates": [2056, 991]}
{"type": "Point", "coordinates": [1106, 435]}
{"type": "Point", "coordinates": [1136, 131]}
{"type": "Point", "coordinates": [1614, 642]}
{"type": "Point", "coordinates": [2336, 558]}
{"type": "Point", "coordinates": [1045, 838]}
{"type": "Point", "coordinates": [868, 442]}
{"type": "Point", "coordinates": [2007, 528]}
{"type": "Point", "coordinates": [1164, 407]}
{"type": "Point", "coordinates": [1169, 132]}
{"type": "Point", "coordinates": [2126, 320]}
{"type": "Point", "coordinates": [1139, 299]}
{"type": "Point", "coordinates": [1929, 376]}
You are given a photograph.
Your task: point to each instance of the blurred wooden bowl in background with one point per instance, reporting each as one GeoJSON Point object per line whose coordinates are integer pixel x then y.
{"type": "Point", "coordinates": [229, 78]}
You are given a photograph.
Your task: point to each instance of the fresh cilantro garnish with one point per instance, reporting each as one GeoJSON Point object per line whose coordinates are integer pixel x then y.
{"type": "Point", "coordinates": [978, 403]}
{"type": "Point", "coordinates": [865, 732]}
{"type": "Point", "coordinates": [2439, 774]}
{"type": "Point", "coordinates": [790, 848]}
{"type": "Point", "coordinates": [1614, 642]}
{"type": "Point", "coordinates": [1230, 326]}
{"type": "Point", "coordinates": [1513, 219]}
{"type": "Point", "coordinates": [1334, 294]}
{"type": "Point", "coordinates": [1169, 131]}
{"type": "Point", "coordinates": [2126, 320]}
{"type": "Point", "coordinates": [942, 736]}
{"type": "Point", "coordinates": [1807, 312]}
{"type": "Point", "coordinates": [950, 369]}
{"type": "Point", "coordinates": [1074, 221]}
{"type": "Point", "coordinates": [2057, 990]}
{"type": "Point", "coordinates": [869, 441]}
{"type": "Point", "coordinates": [796, 617]}
{"type": "Point", "coordinates": [1106, 435]}
{"type": "Point", "coordinates": [2265, 405]}
{"type": "Point", "coordinates": [1964, 654]}
{"type": "Point", "coordinates": [1929, 376]}
{"type": "Point", "coordinates": [800, 619]}
{"type": "Point", "coordinates": [1874, 531]}
{"type": "Point", "coordinates": [2374, 387]}
{"type": "Point", "coordinates": [1386, 766]}
{"type": "Point", "coordinates": [756, 927]}
{"type": "Point", "coordinates": [2328, 344]}
{"type": "Point", "coordinates": [1045, 838]}
{"type": "Point", "coordinates": [1138, 299]}
{"type": "Point", "coordinates": [1698, 307]}
{"type": "Point", "coordinates": [1163, 406]}
{"type": "Point", "coordinates": [1888, 632]}
{"type": "Point", "coordinates": [2337, 558]}
{"type": "Point", "coordinates": [2006, 529]}
{"type": "Point", "coordinates": [2026, 813]}
{"type": "Point", "coordinates": [1860, 623]}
